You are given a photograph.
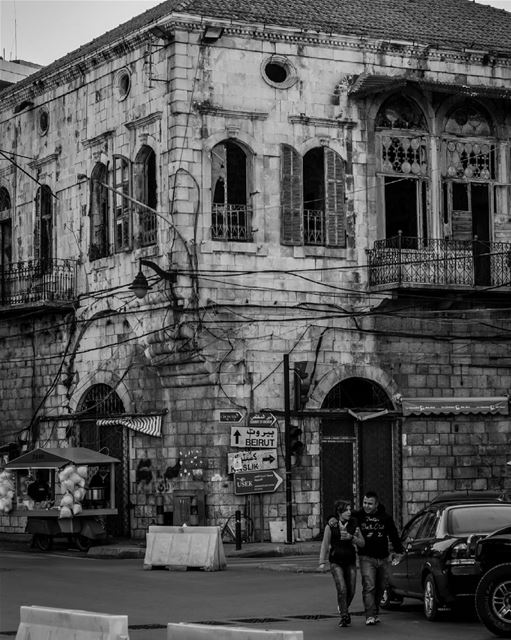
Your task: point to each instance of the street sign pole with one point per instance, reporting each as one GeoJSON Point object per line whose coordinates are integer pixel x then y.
{"type": "Point", "coordinates": [287, 432]}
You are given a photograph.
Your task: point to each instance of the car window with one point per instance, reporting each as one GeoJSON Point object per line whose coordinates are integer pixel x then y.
{"type": "Point", "coordinates": [428, 526]}
{"type": "Point", "coordinates": [411, 529]}
{"type": "Point", "coordinates": [480, 518]}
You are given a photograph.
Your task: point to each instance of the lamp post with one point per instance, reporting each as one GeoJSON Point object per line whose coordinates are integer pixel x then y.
{"type": "Point", "coordinates": [287, 453]}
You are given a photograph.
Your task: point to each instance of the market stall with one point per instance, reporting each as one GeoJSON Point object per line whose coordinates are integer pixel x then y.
{"type": "Point", "coordinates": [62, 492]}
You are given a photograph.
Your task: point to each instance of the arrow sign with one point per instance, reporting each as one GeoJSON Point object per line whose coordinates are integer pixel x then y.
{"type": "Point", "coordinates": [255, 460]}
{"type": "Point", "coordinates": [230, 416]}
{"type": "Point", "coordinates": [256, 482]}
{"type": "Point", "coordinates": [262, 420]}
{"type": "Point", "coordinates": [254, 437]}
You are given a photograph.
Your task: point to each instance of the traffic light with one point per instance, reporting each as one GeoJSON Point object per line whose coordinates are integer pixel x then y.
{"type": "Point", "coordinates": [303, 371]}
{"type": "Point", "coordinates": [296, 445]}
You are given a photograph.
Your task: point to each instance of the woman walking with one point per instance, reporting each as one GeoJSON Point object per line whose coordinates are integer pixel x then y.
{"type": "Point", "coordinates": [340, 539]}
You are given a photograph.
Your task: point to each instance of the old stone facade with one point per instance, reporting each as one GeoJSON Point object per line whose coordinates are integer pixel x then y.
{"type": "Point", "coordinates": [316, 192]}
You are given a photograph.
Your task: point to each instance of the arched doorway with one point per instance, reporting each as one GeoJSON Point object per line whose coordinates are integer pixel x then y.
{"type": "Point", "coordinates": [359, 451]}
{"type": "Point", "coordinates": [102, 401]}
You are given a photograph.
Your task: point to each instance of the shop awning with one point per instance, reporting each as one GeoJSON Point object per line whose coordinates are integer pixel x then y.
{"type": "Point", "coordinates": [149, 425]}
{"type": "Point", "coordinates": [56, 458]}
{"type": "Point", "coordinates": [368, 84]}
{"type": "Point", "coordinates": [438, 406]}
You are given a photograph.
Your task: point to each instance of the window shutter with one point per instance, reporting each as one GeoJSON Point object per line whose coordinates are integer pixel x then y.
{"type": "Point", "coordinates": [335, 206]}
{"type": "Point", "coordinates": [122, 206]}
{"type": "Point", "coordinates": [291, 196]}
{"type": "Point", "coordinates": [37, 226]}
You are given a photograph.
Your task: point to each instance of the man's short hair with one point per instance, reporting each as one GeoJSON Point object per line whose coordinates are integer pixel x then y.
{"type": "Point", "coordinates": [372, 494]}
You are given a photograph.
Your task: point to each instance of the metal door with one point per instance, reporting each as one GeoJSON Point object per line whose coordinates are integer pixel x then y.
{"type": "Point", "coordinates": [337, 465]}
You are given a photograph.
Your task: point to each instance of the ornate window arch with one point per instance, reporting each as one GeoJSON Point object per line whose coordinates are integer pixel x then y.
{"type": "Point", "coordinates": [231, 177]}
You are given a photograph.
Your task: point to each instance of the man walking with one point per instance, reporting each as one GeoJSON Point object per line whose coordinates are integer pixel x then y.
{"type": "Point", "coordinates": [377, 528]}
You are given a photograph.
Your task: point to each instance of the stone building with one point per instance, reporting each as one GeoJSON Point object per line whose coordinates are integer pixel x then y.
{"type": "Point", "coordinates": [324, 181]}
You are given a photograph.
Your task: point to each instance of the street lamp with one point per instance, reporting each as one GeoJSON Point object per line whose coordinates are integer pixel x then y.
{"type": "Point", "coordinates": [140, 286]}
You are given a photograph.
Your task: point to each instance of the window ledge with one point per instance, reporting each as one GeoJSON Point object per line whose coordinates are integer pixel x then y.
{"type": "Point", "coordinates": [219, 246]}
{"type": "Point", "coordinates": [320, 252]}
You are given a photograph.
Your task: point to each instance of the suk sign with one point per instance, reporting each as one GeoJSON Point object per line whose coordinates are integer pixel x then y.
{"type": "Point", "coordinates": [256, 482]}
{"type": "Point", "coordinates": [254, 437]}
{"type": "Point", "coordinates": [251, 460]}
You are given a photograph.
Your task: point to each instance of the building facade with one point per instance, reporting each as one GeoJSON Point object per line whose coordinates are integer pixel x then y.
{"type": "Point", "coordinates": [290, 184]}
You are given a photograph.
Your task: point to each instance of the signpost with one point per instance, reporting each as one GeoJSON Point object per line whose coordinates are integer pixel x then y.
{"type": "Point", "coordinates": [256, 482]}
{"type": "Point", "coordinates": [255, 460]}
{"type": "Point", "coordinates": [254, 437]}
{"type": "Point", "coordinates": [262, 420]}
{"type": "Point", "coordinates": [230, 416]}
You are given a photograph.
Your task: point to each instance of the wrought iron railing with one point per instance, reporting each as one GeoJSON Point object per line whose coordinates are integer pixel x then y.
{"type": "Point", "coordinates": [37, 281]}
{"type": "Point", "coordinates": [404, 260]}
{"type": "Point", "coordinates": [314, 226]}
{"type": "Point", "coordinates": [231, 222]}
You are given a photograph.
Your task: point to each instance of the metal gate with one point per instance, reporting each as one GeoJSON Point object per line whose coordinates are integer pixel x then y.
{"type": "Point", "coordinates": [102, 401]}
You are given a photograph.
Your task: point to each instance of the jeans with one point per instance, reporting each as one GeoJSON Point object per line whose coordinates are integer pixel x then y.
{"type": "Point", "coordinates": [374, 572]}
{"type": "Point", "coordinates": [345, 578]}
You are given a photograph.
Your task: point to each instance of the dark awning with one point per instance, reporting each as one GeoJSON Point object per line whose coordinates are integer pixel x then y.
{"type": "Point", "coordinates": [56, 458]}
{"type": "Point", "coordinates": [368, 84]}
{"type": "Point", "coordinates": [437, 406]}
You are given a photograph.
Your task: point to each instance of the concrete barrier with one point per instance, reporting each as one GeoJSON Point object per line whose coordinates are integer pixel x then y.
{"type": "Point", "coordinates": [178, 548]}
{"type": "Point", "coordinates": [183, 631]}
{"type": "Point", "coordinates": [45, 623]}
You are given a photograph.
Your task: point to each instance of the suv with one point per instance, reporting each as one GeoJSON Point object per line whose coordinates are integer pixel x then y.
{"type": "Point", "coordinates": [438, 565]}
{"type": "Point", "coordinates": [493, 593]}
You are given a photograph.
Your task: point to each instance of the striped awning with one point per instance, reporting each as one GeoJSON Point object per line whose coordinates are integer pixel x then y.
{"type": "Point", "coordinates": [436, 406]}
{"type": "Point", "coordinates": [149, 425]}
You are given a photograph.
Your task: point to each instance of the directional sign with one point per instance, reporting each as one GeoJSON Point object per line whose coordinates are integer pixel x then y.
{"type": "Point", "coordinates": [230, 416]}
{"type": "Point", "coordinates": [254, 437]}
{"type": "Point", "coordinates": [256, 482]}
{"type": "Point", "coordinates": [265, 419]}
{"type": "Point", "coordinates": [251, 460]}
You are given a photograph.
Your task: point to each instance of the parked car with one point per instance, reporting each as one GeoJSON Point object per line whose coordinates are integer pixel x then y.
{"type": "Point", "coordinates": [439, 565]}
{"type": "Point", "coordinates": [493, 593]}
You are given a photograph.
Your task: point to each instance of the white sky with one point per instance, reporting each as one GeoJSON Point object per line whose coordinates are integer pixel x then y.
{"type": "Point", "coordinates": [48, 29]}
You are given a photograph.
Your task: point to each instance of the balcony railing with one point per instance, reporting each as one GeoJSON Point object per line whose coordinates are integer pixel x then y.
{"type": "Point", "coordinates": [405, 261]}
{"type": "Point", "coordinates": [314, 226]}
{"type": "Point", "coordinates": [231, 222]}
{"type": "Point", "coordinates": [37, 281]}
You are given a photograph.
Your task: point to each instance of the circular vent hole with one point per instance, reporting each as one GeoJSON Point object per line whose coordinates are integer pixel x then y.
{"type": "Point", "coordinates": [276, 72]}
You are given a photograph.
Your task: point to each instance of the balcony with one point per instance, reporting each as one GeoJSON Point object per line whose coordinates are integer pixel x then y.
{"type": "Point", "coordinates": [232, 222]}
{"type": "Point", "coordinates": [41, 283]}
{"type": "Point", "coordinates": [422, 263]}
{"type": "Point", "coordinates": [314, 226]}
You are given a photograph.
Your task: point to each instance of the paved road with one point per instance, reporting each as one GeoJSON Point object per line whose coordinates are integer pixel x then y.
{"type": "Point", "coordinates": [252, 592]}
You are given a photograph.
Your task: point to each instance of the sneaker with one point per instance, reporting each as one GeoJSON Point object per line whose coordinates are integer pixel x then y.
{"type": "Point", "coordinates": [344, 621]}
{"type": "Point", "coordinates": [376, 620]}
{"type": "Point", "coordinates": [371, 620]}
{"type": "Point", "coordinates": [348, 618]}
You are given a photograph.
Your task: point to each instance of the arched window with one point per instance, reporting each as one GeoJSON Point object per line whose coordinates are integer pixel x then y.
{"type": "Point", "coordinates": [43, 231]}
{"type": "Point", "coordinates": [5, 228]}
{"type": "Point", "coordinates": [99, 213]}
{"type": "Point", "coordinates": [145, 190]}
{"type": "Point", "coordinates": [231, 215]}
{"type": "Point", "coordinates": [313, 210]}
{"type": "Point", "coordinates": [403, 164]}
{"type": "Point", "coordinates": [122, 204]}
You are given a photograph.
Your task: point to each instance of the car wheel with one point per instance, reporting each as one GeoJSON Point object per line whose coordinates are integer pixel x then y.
{"type": "Point", "coordinates": [389, 599]}
{"type": "Point", "coordinates": [493, 600]}
{"type": "Point", "coordinates": [43, 542]}
{"type": "Point", "coordinates": [430, 599]}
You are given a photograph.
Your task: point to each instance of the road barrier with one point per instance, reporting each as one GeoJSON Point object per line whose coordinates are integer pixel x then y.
{"type": "Point", "coordinates": [178, 548]}
{"type": "Point", "coordinates": [45, 623]}
{"type": "Point", "coordinates": [183, 631]}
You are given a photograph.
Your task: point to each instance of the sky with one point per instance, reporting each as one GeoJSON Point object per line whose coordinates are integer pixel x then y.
{"type": "Point", "coordinates": [42, 31]}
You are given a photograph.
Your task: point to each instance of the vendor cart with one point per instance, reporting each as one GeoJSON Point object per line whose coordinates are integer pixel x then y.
{"type": "Point", "coordinates": [44, 520]}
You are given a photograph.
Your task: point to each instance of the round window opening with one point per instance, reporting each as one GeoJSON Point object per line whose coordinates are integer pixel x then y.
{"type": "Point", "coordinates": [279, 72]}
{"type": "Point", "coordinates": [276, 72]}
{"type": "Point", "coordinates": [123, 84]}
{"type": "Point", "coordinates": [44, 122]}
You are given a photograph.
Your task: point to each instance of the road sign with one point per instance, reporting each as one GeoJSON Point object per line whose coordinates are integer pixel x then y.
{"type": "Point", "coordinates": [256, 482]}
{"type": "Point", "coordinates": [255, 460]}
{"type": "Point", "coordinates": [265, 419]}
{"type": "Point", "coordinates": [230, 416]}
{"type": "Point", "coordinates": [254, 437]}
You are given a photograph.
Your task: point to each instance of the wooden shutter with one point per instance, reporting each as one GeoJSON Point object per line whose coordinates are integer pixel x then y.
{"type": "Point", "coordinates": [291, 196]}
{"type": "Point", "coordinates": [335, 206]}
{"type": "Point", "coordinates": [37, 225]}
{"type": "Point", "coordinates": [122, 206]}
